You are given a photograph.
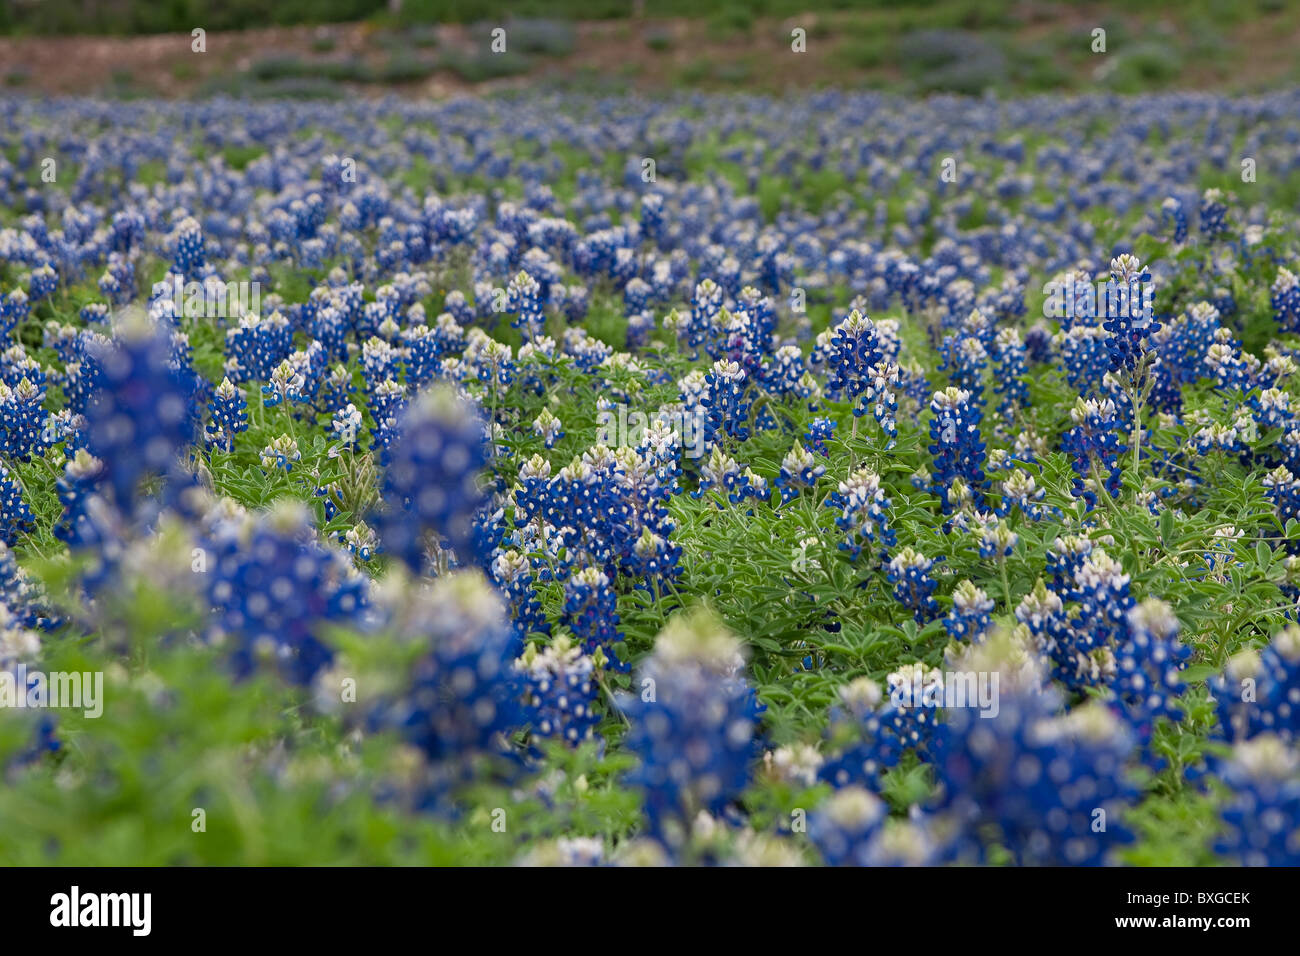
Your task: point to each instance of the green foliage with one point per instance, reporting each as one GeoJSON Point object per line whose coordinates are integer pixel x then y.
{"type": "Point", "coordinates": [1147, 66]}
{"type": "Point", "coordinates": [659, 39]}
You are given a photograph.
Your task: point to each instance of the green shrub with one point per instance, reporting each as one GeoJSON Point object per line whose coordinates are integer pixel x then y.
{"type": "Point", "coordinates": [659, 39]}
{"type": "Point", "coordinates": [1144, 67]}
{"type": "Point", "coordinates": [277, 66]}
{"type": "Point", "coordinates": [481, 65]}
{"type": "Point", "coordinates": [288, 66]}
{"type": "Point", "coordinates": [952, 60]}
{"type": "Point", "coordinates": [866, 52]}
{"type": "Point", "coordinates": [695, 72]}
{"type": "Point", "coordinates": [543, 37]}
{"type": "Point", "coordinates": [404, 68]}
{"type": "Point", "coordinates": [732, 20]}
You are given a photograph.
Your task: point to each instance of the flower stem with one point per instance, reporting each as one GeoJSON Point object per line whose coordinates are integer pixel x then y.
{"type": "Point", "coordinates": [853, 441]}
{"type": "Point", "coordinates": [1006, 586]}
{"type": "Point", "coordinates": [1137, 395]}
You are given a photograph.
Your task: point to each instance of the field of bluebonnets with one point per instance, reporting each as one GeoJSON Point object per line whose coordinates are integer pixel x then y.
{"type": "Point", "coordinates": [595, 480]}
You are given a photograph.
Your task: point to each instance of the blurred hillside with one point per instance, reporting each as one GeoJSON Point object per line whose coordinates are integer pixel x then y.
{"type": "Point", "coordinates": [337, 48]}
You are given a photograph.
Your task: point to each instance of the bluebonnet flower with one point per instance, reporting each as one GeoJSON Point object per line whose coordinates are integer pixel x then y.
{"type": "Point", "coordinates": [379, 362]}
{"type": "Point", "coordinates": [1223, 301]}
{"type": "Point", "coordinates": [21, 419]}
{"type": "Point", "coordinates": [965, 359]}
{"type": "Point", "coordinates": [1038, 344]}
{"type": "Point", "coordinates": [1084, 356]}
{"type": "Point", "coordinates": [1064, 559]}
{"type": "Point", "coordinates": [819, 430]}
{"type": "Point", "coordinates": [19, 647]}
{"type": "Point", "coordinates": [274, 588]}
{"type": "Point", "coordinates": [577, 300]}
{"type": "Point", "coordinates": [693, 727]}
{"type": "Point", "coordinates": [1042, 613]}
{"type": "Point", "coordinates": [430, 486]}
{"type": "Point", "coordinates": [560, 691]}
{"type": "Point", "coordinates": [118, 280]}
{"type": "Point", "coordinates": [996, 539]}
{"type": "Point", "coordinates": [1148, 665]}
{"type": "Point", "coordinates": [1226, 364]}
{"type": "Point", "coordinates": [360, 541]}
{"type": "Point", "coordinates": [969, 618]}
{"type": "Point", "coordinates": [654, 557]}
{"type": "Point", "coordinates": [957, 446]}
{"type": "Point", "coordinates": [845, 828]}
{"type": "Point", "coordinates": [1086, 656]}
{"type": "Point", "coordinates": [18, 643]}
{"type": "Point", "coordinates": [1283, 490]}
{"type": "Point", "coordinates": [386, 403]}
{"type": "Point", "coordinates": [864, 516]}
{"type": "Point", "coordinates": [867, 735]}
{"type": "Point", "coordinates": [909, 573]}
{"type": "Point", "coordinates": [187, 245]}
{"type": "Point", "coordinates": [79, 481]}
{"type": "Point", "coordinates": [1020, 492]}
{"type": "Point", "coordinates": [229, 416]}
{"type": "Point", "coordinates": [16, 517]}
{"type": "Point", "coordinates": [853, 353]}
{"type": "Point", "coordinates": [880, 396]}
{"type": "Point", "coordinates": [1285, 300]}
{"type": "Point", "coordinates": [256, 346]}
{"type": "Point", "coordinates": [747, 335]}
{"type": "Point", "coordinates": [94, 313]}
{"type": "Point", "coordinates": [1217, 436]}
{"type": "Point", "coordinates": [513, 573]}
{"type": "Point", "coordinates": [422, 353]}
{"type": "Point", "coordinates": [798, 764]}
{"type": "Point", "coordinates": [142, 415]}
{"type": "Point", "coordinates": [601, 497]}
{"type": "Point", "coordinates": [1213, 213]}
{"type": "Point", "coordinates": [1009, 353]}
{"type": "Point", "coordinates": [346, 426]}
{"type": "Point", "coordinates": [21, 595]}
{"type": "Point", "coordinates": [464, 697]}
{"type": "Point", "coordinates": [287, 379]}
{"type": "Point", "coordinates": [524, 302]}
{"type": "Point", "coordinates": [1259, 691]}
{"type": "Point", "coordinates": [1261, 812]}
{"type": "Point", "coordinates": [16, 364]}
{"type": "Point", "coordinates": [725, 403]}
{"type": "Point", "coordinates": [660, 445]}
{"type": "Point", "coordinates": [1094, 446]}
{"type": "Point", "coordinates": [591, 613]}
{"type": "Point", "coordinates": [724, 473]}
{"type": "Point", "coordinates": [44, 280]}
{"type": "Point", "coordinates": [1035, 785]}
{"type": "Point", "coordinates": [14, 309]}
{"type": "Point", "coordinates": [1271, 408]}
{"type": "Point", "coordinates": [548, 427]}
{"type": "Point", "coordinates": [1185, 340]}
{"type": "Point", "coordinates": [1172, 210]}
{"type": "Point", "coordinates": [799, 470]}
{"type": "Point", "coordinates": [701, 326]}
{"type": "Point", "coordinates": [281, 454]}
{"type": "Point", "coordinates": [487, 360]}
{"type": "Point", "coordinates": [783, 373]}
{"type": "Point", "coordinates": [1129, 312]}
